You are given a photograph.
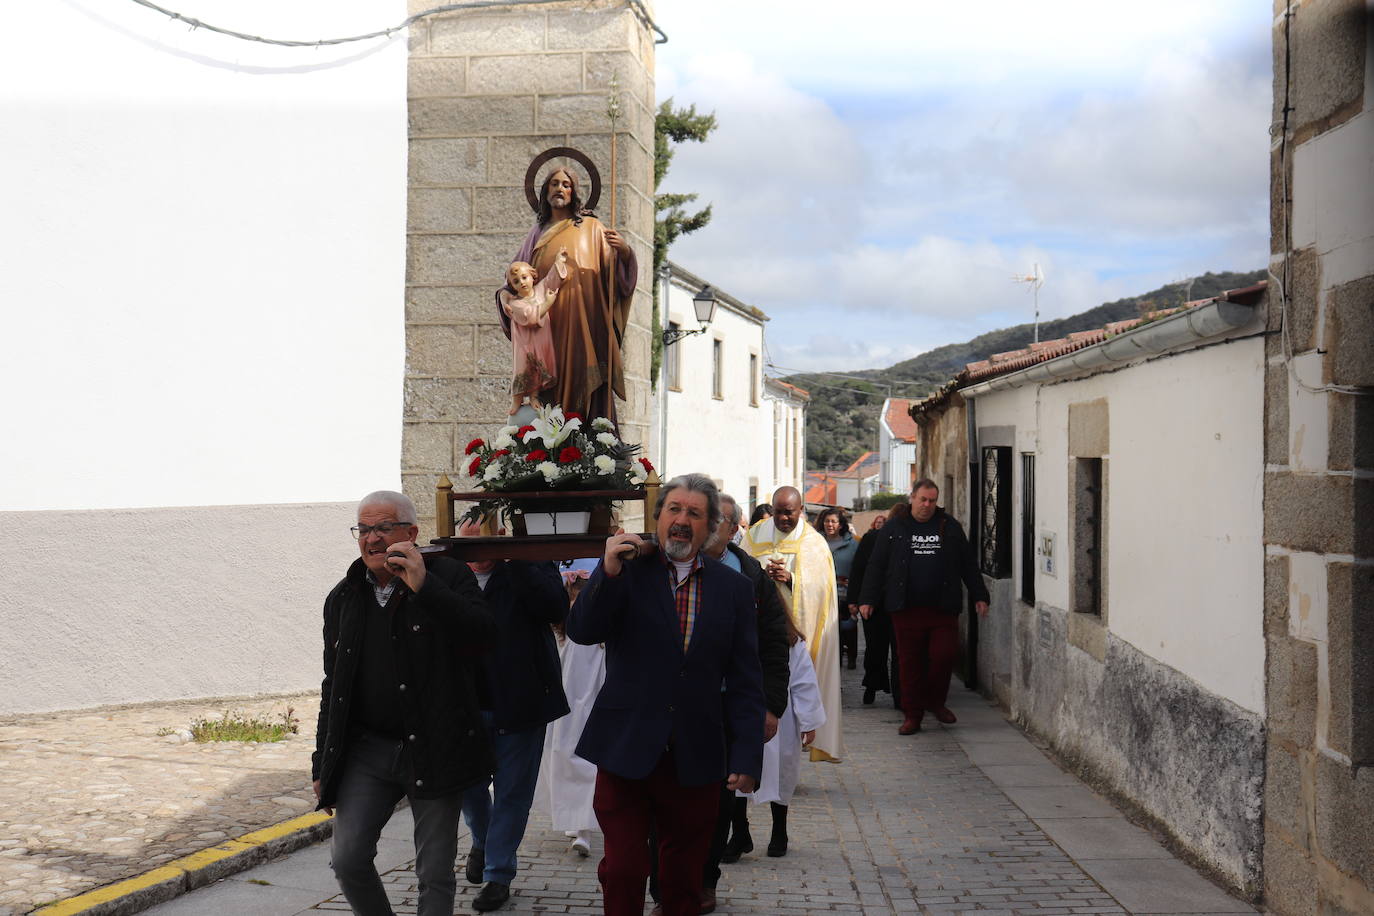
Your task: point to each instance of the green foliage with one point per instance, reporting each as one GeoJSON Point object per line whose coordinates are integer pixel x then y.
{"type": "Point", "coordinates": [885, 501]}
{"type": "Point", "coordinates": [673, 125]}
{"type": "Point", "coordinates": [841, 422]}
{"type": "Point", "coordinates": [237, 726]}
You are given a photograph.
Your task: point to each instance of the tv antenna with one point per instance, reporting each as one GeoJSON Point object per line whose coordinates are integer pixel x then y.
{"type": "Point", "coordinates": [1036, 279]}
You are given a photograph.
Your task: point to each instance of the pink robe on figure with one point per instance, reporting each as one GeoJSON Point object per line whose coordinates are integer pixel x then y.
{"type": "Point", "coordinates": [534, 366]}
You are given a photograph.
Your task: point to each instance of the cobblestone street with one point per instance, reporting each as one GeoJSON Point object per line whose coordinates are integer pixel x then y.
{"type": "Point", "coordinates": [967, 818]}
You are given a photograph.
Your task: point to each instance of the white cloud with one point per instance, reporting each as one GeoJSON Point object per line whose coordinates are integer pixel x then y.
{"type": "Point", "coordinates": [880, 175]}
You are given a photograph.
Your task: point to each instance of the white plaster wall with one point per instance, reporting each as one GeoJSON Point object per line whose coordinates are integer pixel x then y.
{"type": "Point", "coordinates": [787, 450]}
{"type": "Point", "coordinates": [202, 295]}
{"type": "Point", "coordinates": [1185, 521]}
{"type": "Point", "coordinates": [133, 605]}
{"type": "Point", "coordinates": [719, 437]}
{"type": "Point", "coordinates": [204, 254]}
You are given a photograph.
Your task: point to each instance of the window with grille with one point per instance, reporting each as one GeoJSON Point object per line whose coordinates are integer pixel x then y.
{"type": "Point", "coordinates": [995, 513]}
{"type": "Point", "coordinates": [1028, 528]}
{"type": "Point", "coordinates": [1087, 536]}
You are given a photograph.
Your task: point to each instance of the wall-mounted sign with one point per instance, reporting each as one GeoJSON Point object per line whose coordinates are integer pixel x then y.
{"type": "Point", "coordinates": [1045, 559]}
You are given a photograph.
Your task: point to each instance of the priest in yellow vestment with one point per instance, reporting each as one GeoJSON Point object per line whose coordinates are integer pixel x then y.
{"type": "Point", "coordinates": [797, 558]}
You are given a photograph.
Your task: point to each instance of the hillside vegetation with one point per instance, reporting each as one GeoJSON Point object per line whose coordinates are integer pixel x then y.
{"type": "Point", "coordinates": [842, 421]}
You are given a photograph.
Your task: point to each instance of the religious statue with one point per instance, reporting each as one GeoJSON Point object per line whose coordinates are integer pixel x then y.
{"type": "Point", "coordinates": [534, 365]}
{"type": "Point", "coordinates": [592, 304]}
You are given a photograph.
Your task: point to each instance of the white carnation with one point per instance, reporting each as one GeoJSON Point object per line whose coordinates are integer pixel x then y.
{"type": "Point", "coordinates": [605, 464]}
{"type": "Point", "coordinates": [508, 430]}
{"type": "Point", "coordinates": [602, 423]}
{"type": "Point", "coordinates": [492, 472]}
{"type": "Point", "coordinates": [607, 439]}
{"type": "Point", "coordinates": [638, 476]}
{"type": "Point", "coordinates": [504, 440]}
{"type": "Point", "coordinates": [549, 470]}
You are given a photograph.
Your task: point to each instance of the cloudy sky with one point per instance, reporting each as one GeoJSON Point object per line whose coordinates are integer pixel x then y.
{"type": "Point", "coordinates": [882, 168]}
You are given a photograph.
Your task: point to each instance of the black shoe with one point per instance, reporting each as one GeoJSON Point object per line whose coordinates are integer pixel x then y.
{"type": "Point", "coordinates": [777, 847]}
{"type": "Point", "coordinates": [738, 845]}
{"type": "Point", "coordinates": [492, 896]}
{"type": "Point", "coordinates": [869, 693]}
{"type": "Point", "coordinates": [477, 863]}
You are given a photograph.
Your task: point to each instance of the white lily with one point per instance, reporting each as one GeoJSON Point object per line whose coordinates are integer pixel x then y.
{"type": "Point", "coordinates": [551, 427]}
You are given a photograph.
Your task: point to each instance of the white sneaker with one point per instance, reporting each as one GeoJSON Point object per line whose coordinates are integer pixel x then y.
{"type": "Point", "coordinates": [581, 847]}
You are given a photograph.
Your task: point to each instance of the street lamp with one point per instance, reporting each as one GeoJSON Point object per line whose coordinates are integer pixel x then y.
{"type": "Point", "coordinates": [704, 303]}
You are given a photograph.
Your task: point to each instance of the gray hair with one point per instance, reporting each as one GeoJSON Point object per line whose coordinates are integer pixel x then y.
{"type": "Point", "coordinates": [693, 483]}
{"type": "Point", "coordinates": [405, 509]}
{"type": "Point", "coordinates": [730, 508]}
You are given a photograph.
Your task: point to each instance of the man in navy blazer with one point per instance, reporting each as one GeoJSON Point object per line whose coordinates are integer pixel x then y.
{"type": "Point", "coordinates": [678, 628]}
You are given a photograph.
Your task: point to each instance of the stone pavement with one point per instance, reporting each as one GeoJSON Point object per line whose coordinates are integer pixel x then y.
{"type": "Point", "coordinates": [88, 798]}
{"type": "Point", "coordinates": [970, 818]}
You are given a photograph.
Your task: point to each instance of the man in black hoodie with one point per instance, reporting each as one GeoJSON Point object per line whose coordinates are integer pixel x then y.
{"type": "Point", "coordinates": [915, 572]}
{"type": "Point", "coordinates": [520, 691]}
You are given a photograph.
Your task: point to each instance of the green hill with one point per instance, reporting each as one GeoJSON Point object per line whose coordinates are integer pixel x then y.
{"type": "Point", "coordinates": [842, 420]}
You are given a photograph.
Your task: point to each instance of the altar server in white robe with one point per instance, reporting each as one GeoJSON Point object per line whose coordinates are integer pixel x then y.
{"type": "Point", "coordinates": [566, 781]}
{"type": "Point", "coordinates": [782, 755]}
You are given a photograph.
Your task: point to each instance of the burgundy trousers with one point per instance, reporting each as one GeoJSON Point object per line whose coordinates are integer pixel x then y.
{"type": "Point", "coordinates": [927, 642]}
{"type": "Point", "coordinates": [685, 817]}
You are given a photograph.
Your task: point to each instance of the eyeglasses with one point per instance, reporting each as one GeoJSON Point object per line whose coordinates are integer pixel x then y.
{"type": "Point", "coordinates": [385, 528]}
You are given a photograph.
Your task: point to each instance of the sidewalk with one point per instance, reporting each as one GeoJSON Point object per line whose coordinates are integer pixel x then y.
{"type": "Point", "coordinates": [89, 798]}
{"type": "Point", "coordinates": [969, 818]}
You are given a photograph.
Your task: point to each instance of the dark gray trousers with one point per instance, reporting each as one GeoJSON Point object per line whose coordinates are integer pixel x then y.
{"type": "Point", "coordinates": [376, 775]}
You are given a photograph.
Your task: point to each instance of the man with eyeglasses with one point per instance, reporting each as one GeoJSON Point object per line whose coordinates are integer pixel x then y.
{"type": "Point", "coordinates": [399, 716]}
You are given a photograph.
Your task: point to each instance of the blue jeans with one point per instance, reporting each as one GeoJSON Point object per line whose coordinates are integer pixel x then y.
{"type": "Point", "coordinates": [376, 774]}
{"type": "Point", "coordinates": [497, 821]}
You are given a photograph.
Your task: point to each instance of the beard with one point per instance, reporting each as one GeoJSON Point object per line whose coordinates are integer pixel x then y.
{"type": "Point", "coordinates": [679, 550]}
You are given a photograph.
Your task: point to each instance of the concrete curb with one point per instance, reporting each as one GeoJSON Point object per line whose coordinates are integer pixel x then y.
{"type": "Point", "coordinates": [133, 895]}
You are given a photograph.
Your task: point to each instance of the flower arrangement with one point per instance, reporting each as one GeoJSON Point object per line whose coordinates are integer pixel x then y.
{"type": "Point", "coordinates": [558, 452]}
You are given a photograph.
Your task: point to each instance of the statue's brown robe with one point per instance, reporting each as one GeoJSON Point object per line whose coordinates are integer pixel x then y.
{"type": "Point", "coordinates": [588, 318]}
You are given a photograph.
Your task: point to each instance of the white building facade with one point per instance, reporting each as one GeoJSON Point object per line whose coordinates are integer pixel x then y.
{"type": "Point", "coordinates": [1113, 497]}
{"type": "Point", "coordinates": [896, 446]}
{"type": "Point", "coordinates": [715, 411]}
{"type": "Point", "coordinates": [205, 243]}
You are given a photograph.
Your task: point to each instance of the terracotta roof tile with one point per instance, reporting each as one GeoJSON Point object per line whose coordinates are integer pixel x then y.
{"type": "Point", "coordinates": [899, 420]}
{"type": "Point", "coordinates": [1046, 350]}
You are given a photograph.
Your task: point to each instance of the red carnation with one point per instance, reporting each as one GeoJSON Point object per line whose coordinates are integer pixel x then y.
{"type": "Point", "coordinates": [537, 455]}
{"type": "Point", "coordinates": [473, 446]}
{"type": "Point", "coordinates": [501, 454]}
{"type": "Point", "coordinates": [647, 466]}
{"type": "Point", "coordinates": [520, 433]}
{"type": "Point", "coordinates": [570, 415]}
{"type": "Point", "coordinates": [571, 453]}
{"type": "Point", "coordinates": [472, 467]}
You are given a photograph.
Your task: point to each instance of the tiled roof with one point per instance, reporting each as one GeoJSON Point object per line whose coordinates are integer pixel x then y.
{"type": "Point", "coordinates": [866, 465]}
{"type": "Point", "coordinates": [899, 420]}
{"type": "Point", "coordinates": [801, 391]}
{"type": "Point", "coordinates": [1046, 350]}
{"type": "Point", "coordinates": [821, 488]}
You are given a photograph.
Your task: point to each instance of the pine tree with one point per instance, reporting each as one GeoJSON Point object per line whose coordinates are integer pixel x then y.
{"type": "Point", "coordinates": [673, 125]}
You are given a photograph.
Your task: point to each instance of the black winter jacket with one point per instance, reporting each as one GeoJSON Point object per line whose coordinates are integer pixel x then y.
{"type": "Point", "coordinates": [448, 745]}
{"type": "Point", "coordinates": [774, 649]}
{"type": "Point", "coordinates": [523, 675]}
{"type": "Point", "coordinates": [885, 577]}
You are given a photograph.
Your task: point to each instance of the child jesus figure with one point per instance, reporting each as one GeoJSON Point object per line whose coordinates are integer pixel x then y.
{"type": "Point", "coordinates": [534, 367]}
